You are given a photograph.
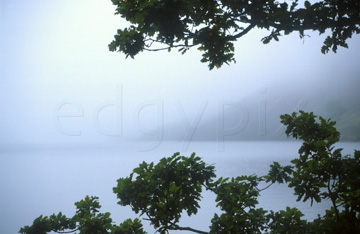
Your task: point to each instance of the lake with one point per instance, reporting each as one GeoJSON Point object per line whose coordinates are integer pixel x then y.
{"type": "Point", "coordinates": [49, 180]}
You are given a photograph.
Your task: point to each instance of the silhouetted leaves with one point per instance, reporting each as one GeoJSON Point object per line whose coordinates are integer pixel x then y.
{"type": "Point", "coordinates": [214, 25]}
{"type": "Point", "coordinates": [87, 220]}
{"type": "Point", "coordinates": [163, 191]}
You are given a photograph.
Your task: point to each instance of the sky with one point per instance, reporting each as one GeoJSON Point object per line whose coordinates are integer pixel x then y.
{"type": "Point", "coordinates": [61, 85]}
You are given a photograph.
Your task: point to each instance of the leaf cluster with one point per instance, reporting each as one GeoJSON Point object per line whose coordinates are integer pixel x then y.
{"type": "Point", "coordinates": [237, 198]}
{"type": "Point", "coordinates": [214, 25]}
{"type": "Point", "coordinates": [321, 172]}
{"type": "Point", "coordinates": [163, 191]}
{"type": "Point", "coordinates": [87, 220]}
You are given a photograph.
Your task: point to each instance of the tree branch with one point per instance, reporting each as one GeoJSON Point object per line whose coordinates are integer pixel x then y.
{"type": "Point", "coordinates": [177, 227]}
{"type": "Point", "coordinates": [259, 190]}
{"type": "Point", "coordinates": [310, 26]}
{"type": "Point", "coordinates": [245, 31]}
{"type": "Point", "coordinates": [69, 231]}
{"type": "Point", "coordinates": [165, 48]}
{"type": "Point", "coordinates": [188, 229]}
{"type": "Point", "coordinates": [225, 198]}
{"type": "Point", "coordinates": [333, 200]}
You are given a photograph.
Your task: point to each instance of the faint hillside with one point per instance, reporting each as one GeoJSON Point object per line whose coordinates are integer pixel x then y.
{"type": "Point", "coordinates": [256, 117]}
{"type": "Point", "coordinates": [347, 119]}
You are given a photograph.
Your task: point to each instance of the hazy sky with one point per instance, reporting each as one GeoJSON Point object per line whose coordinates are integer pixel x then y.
{"type": "Point", "coordinates": [59, 79]}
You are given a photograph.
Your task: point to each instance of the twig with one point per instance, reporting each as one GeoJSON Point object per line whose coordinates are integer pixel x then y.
{"type": "Point", "coordinates": [69, 231]}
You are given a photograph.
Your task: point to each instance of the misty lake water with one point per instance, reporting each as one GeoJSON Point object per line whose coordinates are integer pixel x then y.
{"type": "Point", "coordinates": [47, 181]}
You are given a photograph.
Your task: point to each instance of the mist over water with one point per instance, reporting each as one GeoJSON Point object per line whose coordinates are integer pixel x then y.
{"type": "Point", "coordinates": [44, 182]}
{"type": "Point", "coordinates": [75, 117]}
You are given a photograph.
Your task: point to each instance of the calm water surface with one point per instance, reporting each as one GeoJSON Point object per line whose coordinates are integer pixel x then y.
{"type": "Point", "coordinates": [35, 182]}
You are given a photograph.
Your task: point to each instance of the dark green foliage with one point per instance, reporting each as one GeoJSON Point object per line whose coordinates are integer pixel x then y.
{"type": "Point", "coordinates": [87, 220]}
{"type": "Point", "coordinates": [287, 221]}
{"type": "Point", "coordinates": [44, 224]}
{"type": "Point", "coordinates": [321, 172]}
{"type": "Point", "coordinates": [129, 226]}
{"type": "Point", "coordinates": [318, 162]}
{"type": "Point", "coordinates": [278, 174]}
{"type": "Point", "coordinates": [163, 191]}
{"type": "Point", "coordinates": [214, 25]}
{"type": "Point", "coordinates": [237, 198]}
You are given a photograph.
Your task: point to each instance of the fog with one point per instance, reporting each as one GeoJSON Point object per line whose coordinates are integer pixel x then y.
{"type": "Point", "coordinates": [54, 59]}
{"type": "Point", "coordinates": [62, 88]}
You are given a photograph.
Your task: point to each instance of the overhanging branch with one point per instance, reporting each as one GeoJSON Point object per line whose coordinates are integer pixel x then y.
{"type": "Point", "coordinates": [69, 231]}
{"type": "Point", "coordinates": [242, 33]}
{"type": "Point", "coordinates": [169, 47]}
{"type": "Point", "coordinates": [188, 229]}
